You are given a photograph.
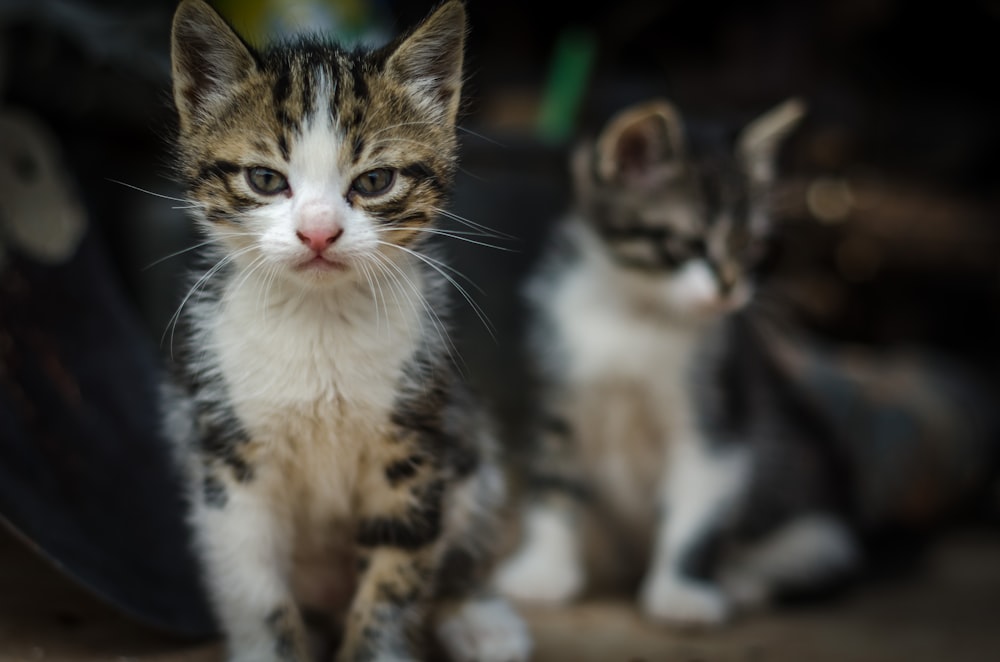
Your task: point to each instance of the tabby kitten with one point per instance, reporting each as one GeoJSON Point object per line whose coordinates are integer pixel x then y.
{"type": "Point", "coordinates": [335, 464]}
{"type": "Point", "coordinates": [656, 426]}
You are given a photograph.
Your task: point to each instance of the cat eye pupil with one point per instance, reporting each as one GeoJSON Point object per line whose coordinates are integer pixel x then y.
{"type": "Point", "coordinates": [266, 181]}
{"type": "Point", "coordinates": [374, 181]}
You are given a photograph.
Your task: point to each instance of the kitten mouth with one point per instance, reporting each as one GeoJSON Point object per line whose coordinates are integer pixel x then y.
{"type": "Point", "coordinates": [320, 263]}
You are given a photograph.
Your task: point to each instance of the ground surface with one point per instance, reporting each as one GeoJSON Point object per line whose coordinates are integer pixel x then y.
{"type": "Point", "coordinates": [949, 611]}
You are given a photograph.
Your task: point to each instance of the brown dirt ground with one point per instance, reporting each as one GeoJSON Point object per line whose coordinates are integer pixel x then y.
{"type": "Point", "coordinates": [947, 611]}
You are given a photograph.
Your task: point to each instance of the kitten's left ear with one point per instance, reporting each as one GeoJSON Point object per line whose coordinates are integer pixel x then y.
{"type": "Point", "coordinates": [428, 60]}
{"type": "Point", "coordinates": [758, 143]}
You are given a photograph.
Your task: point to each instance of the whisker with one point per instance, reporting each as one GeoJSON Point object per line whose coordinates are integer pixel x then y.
{"type": "Point", "coordinates": [490, 328]}
{"type": "Point", "coordinates": [458, 234]}
{"type": "Point", "coordinates": [175, 254]}
{"type": "Point", "coordinates": [434, 318]}
{"type": "Point", "coordinates": [193, 203]}
{"type": "Point", "coordinates": [496, 234]}
{"type": "Point", "coordinates": [371, 288]}
{"type": "Point", "coordinates": [481, 136]}
{"type": "Point", "coordinates": [175, 318]}
{"type": "Point", "coordinates": [272, 275]}
{"type": "Point", "coordinates": [390, 284]}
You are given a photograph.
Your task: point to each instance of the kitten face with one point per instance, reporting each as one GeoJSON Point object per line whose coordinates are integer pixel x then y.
{"type": "Point", "coordinates": [687, 217]}
{"type": "Point", "coordinates": [310, 161]}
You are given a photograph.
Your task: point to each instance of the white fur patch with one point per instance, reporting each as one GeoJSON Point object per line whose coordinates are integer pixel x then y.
{"type": "Point", "coordinates": [602, 325]}
{"type": "Point", "coordinates": [485, 631]}
{"type": "Point", "coordinates": [806, 551]}
{"type": "Point", "coordinates": [548, 568]}
{"type": "Point", "coordinates": [680, 601]}
{"type": "Point", "coordinates": [692, 289]}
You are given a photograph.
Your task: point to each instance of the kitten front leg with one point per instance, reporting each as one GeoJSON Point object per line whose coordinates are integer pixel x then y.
{"type": "Point", "coordinates": [243, 549]}
{"type": "Point", "coordinates": [702, 485]}
{"type": "Point", "coordinates": [387, 618]}
{"type": "Point", "coordinates": [548, 567]}
{"type": "Point", "coordinates": [399, 541]}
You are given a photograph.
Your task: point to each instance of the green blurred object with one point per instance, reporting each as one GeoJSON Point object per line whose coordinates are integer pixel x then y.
{"type": "Point", "coordinates": [350, 22]}
{"type": "Point", "coordinates": [571, 65]}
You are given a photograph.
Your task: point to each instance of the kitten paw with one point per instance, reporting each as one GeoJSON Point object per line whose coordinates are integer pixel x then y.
{"type": "Point", "coordinates": [548, 568]}
{"type": "Point", "coordinates": [540, 578]}
{"type": "Point", "coordinates": [485, 631]}
{"type": "Point", "coordinates": [683, 602]}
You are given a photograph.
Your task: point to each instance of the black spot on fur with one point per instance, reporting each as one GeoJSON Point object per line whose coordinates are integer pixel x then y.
{"type": "Point", "coordinates": [283, 146]}
{"type": "Point", "coordinates": [418, 528]}
{"type": "Point", "coordinates": [226, 447]}
{"type": "Point", "coordinates": [214, 492]}
{"type": "Point", "coordinates": [400, 470]}
{"type": "Point", "coordinates": [284, 638]}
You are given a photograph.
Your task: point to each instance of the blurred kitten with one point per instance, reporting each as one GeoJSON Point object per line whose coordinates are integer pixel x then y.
{"type": "Point", "coordinates": [659, 438]}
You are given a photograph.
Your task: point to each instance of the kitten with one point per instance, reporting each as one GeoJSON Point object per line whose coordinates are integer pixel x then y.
{"type": "Point", "coordinates": [336, 465]}
{"type": "Point", "coordinates": [657, 430]}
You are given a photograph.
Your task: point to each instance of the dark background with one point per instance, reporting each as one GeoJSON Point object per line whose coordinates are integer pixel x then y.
{"type": "Point", "coordinates": [902, 116]}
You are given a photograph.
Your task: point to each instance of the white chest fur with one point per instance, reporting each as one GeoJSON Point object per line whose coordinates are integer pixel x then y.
{"type": "Point", "coordinates": [603, 336]}
{"type": "Point", "coordinates": [313, 378]}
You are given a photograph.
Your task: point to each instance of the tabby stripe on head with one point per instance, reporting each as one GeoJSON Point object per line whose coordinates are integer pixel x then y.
{"type": "Point", "coordinates": [217, 169]}
{"type": "Point", "coordinates": [282, 88]}
{"type": "Point", "coordinates": [359, 83]}
{"type": "Point", "coordinates": [306, 96]}
{"type": "Point", "coordinates": [422, 173]}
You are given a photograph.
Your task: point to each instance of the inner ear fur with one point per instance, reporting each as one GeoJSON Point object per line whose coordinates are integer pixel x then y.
{"type": "Point", "coordinates": [639, 141]}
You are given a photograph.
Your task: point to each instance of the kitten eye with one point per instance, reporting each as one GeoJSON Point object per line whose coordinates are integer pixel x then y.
{"type": "Point", "coordinates": [266, 181]}
{"type": "Point", "coordinates": [374, 181]}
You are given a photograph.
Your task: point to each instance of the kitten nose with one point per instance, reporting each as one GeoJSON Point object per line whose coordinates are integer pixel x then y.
{"type": "Point", "coordinates": [318, 239]}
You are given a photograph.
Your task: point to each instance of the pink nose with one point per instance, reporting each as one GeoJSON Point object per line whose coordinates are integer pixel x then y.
{"type": "Point", "coordinates": [319, 239]}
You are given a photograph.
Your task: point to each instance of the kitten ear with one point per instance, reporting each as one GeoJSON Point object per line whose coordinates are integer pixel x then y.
{"type": "Point", "coordinates": [641, 145]}
{"type": "Point", "coordinates": [428, 60]}
{"type": "Point", "coordinates": [208, 58]}
{"type": "Point", "coordinates": [758, 143]}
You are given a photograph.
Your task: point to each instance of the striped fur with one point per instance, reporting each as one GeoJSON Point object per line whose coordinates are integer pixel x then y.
{"type": "Point", "coordinates": [335, 461]}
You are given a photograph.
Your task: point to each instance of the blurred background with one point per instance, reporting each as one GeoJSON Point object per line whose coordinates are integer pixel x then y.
{"type": "Point", "coordinates": [888, 252]}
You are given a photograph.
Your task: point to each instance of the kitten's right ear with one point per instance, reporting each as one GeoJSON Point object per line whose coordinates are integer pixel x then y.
{"type": "Point", "coordinates": [208, 59]}
{"type": "Point", "coordinates": [641, 144]}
